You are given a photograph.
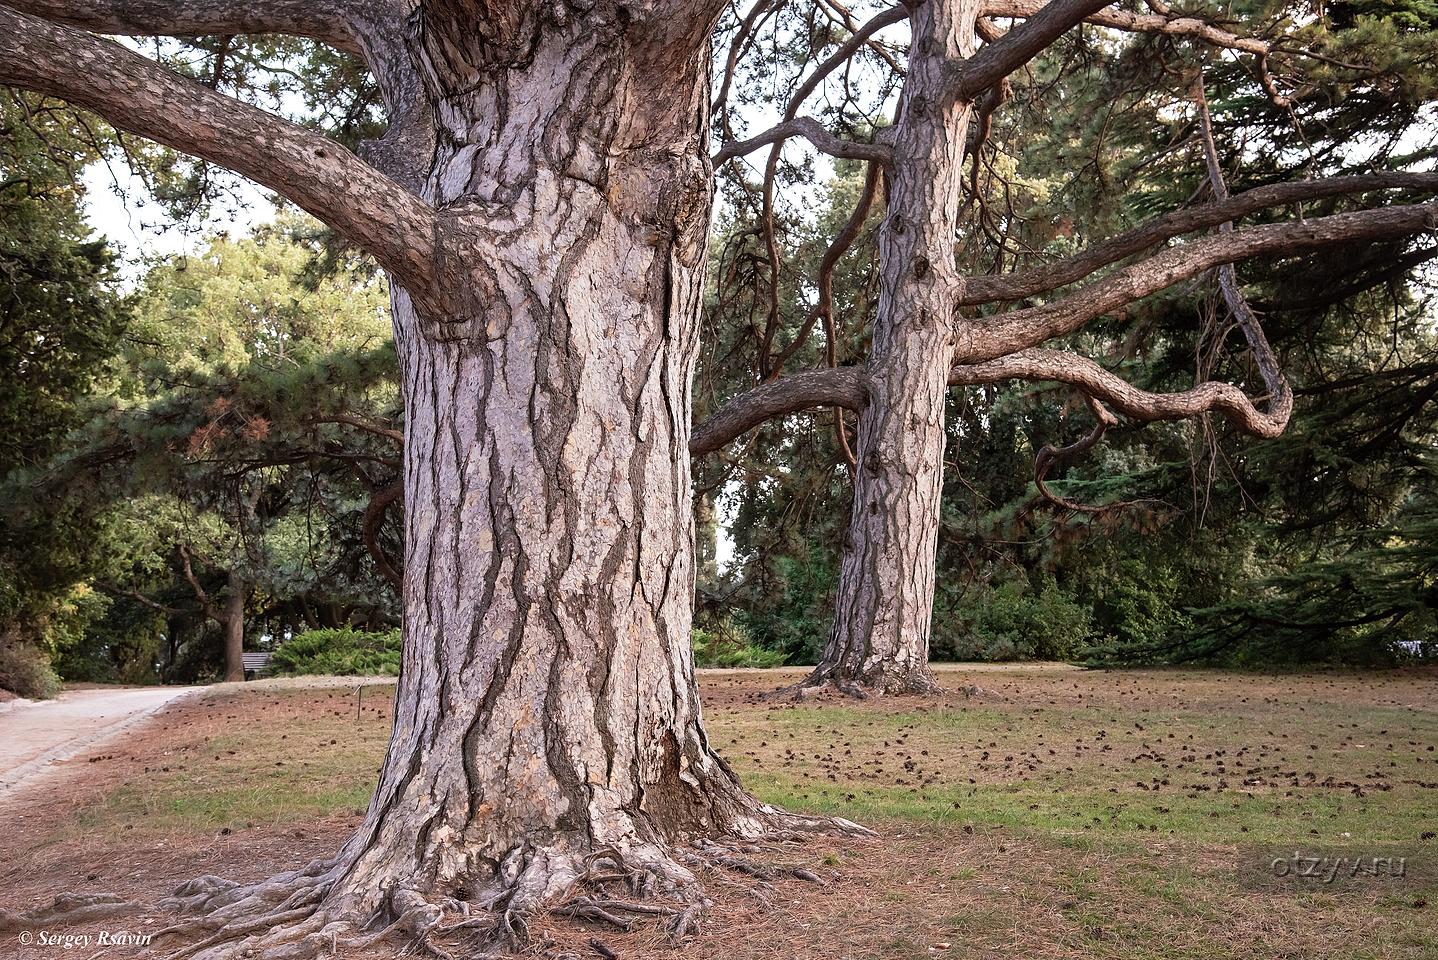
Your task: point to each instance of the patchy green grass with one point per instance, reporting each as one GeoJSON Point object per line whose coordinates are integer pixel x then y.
{"type": "Point", "coordinates": [1052, 813]}
{"type": "Point", "coordinates": [264, 757]}
{"type": "Point", "coordinates": [1267, 761]}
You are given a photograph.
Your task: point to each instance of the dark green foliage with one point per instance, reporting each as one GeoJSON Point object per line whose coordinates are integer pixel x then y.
{"type": "Point", "coordinates": [1010, 621]}
{"type": "Point", "coordinates": [1371, 599]}
{"type": "Point", "coordinates": [126, 644]}
{"type": "Point", "coordinates": [788, 606]}
{"type": "Point", "coordinates": [61, 317]}
{"type": "Point", "coordinates": [26, 671]}
{"type": "Point", "coordinates": [728, 644]}
{"type": "Point", "coordinates": [340, 652]}
{"type": "Point", "coordinates": [61, 323]}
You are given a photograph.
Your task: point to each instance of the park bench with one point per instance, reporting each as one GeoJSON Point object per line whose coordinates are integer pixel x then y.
{"type": "Point", "coordinates": [256, 664]}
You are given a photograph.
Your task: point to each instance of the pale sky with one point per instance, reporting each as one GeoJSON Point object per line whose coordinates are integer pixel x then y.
{"type": "Point", "coordinates": [118, 206]}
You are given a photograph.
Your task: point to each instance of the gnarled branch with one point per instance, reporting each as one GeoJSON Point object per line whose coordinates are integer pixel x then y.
{"type": "Point", "coordinates": [1050, 456]}
{"type": "Point", "coordinates": [327, 21]}
{"type": "Point", "coordinates": [1280, 405]}
{"type": "Point", "coordinates": [1006, 333]}
{"type": "Point", "coordinates": [993, 62]}
{"type": "Point", "coordinates": [1015, 286]}
{"type": "Point", "coordinates": [1120, 19]}
{"type": "Point", "coordinates": [836, 387]}
{"type": "Point", "coordinates": [844, 387]}
{"type": "Point", "coordinates": [1091, 379]}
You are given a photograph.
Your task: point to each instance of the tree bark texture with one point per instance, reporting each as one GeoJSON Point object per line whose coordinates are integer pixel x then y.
{"type": "Point", "coordinates": [543, 211]}
{"type": "Point", "coordinates": [233, 624]}
{"type": "Point", "coordinates": [547, 707]}
{"type": "Point", "coordinates": [880, 635]}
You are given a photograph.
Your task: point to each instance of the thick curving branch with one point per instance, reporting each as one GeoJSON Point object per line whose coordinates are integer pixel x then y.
{"type": "Point", "coordinates": [328, 21]}
{"type": "Point", "coordinates": [1117, 18]}
{"type": "Point", "coordinates": [836, 387]}
{"type": "Point", "coordinates": [844, 387]}
{"type": "Point", "coordinates": [1016, 286]}
{"type": "Point", "coordinates": [811, 130]}
{"type": "Point", "coordinates": [373, 32]}
{"type": "Point", "coordinates": [1010, 332]}
{"type": "Point", "coordinates": [995, 61]}
{"type": "Point", "coordinates": [138, 95]}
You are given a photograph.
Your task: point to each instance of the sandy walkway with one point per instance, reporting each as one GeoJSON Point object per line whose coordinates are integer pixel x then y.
{"type": "Point", "coordinates": [35, 735]}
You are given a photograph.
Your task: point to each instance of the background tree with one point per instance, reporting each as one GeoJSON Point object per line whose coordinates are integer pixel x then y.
{"type": "Point", "coordinates": [887, 654]}
{"type": "Point", "coordinates": [61, 322]}
{"type": "Point", "coordinates": [272, 464]}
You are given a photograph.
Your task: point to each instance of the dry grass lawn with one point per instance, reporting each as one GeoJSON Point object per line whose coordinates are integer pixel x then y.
{"type": "Point", "coordinates": [1033, 811]}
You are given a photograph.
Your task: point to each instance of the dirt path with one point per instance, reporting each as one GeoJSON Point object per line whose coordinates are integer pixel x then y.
{"type": "Point", "coordinates": [34, 736]}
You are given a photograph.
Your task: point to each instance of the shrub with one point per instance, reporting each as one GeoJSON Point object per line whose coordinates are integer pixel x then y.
{"type": "Point", "coordinates": [340, 652]}
{"type": "Point", "coordinates": [727, 644]}
{"type": "Point", "coordinates": [26, 671]}
{"type": "Point", "coordinates": [1012, 621]}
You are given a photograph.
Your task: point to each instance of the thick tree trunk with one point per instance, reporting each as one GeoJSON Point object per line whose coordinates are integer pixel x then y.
{"type": "Point", "coordinates": [233, 624]}
{"type": "Point", "coordinates": [547, 731]}
{"type": "Point", "coordinates": [880, 635]}
{"type": "Point", "coordinates": [547, 713]}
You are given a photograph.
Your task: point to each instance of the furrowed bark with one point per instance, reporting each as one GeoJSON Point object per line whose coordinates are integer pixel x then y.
{"type": "Point", "coordinates": [548, 576]}
{"type": "Point", "coordinates": [880, 635]}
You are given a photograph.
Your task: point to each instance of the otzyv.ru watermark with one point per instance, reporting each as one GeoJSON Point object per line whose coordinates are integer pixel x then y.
{"type": "Point", "coordinates": [1327, 869]}
{"type": "Point", "coordinates": [80, 941]}
{"type": "Point", "coordinates": [1295, 867]}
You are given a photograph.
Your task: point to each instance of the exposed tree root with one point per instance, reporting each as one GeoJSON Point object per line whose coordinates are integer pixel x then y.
{"type": "Point", "coordinates": [875, 683]}
{"type": "Point", "coordinates": [70, 908]}
{"type": "Point", "coordinates": [809, 688]}
{"type": "Point", "coordinates": [310, 913]}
